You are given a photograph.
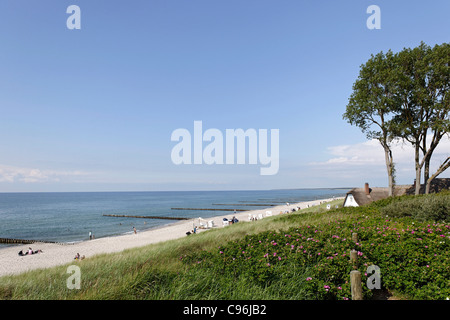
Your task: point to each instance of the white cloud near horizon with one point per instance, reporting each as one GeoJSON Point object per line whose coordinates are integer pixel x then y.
{"type": "Point", "coordinates": [366, 159]}
{"type": "Point", "coordinates": [345, 165]}
{"type": "Point", "coordinates": [13, 174]}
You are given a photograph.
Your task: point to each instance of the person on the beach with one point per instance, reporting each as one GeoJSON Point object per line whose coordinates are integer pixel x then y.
{"type": "Point", "coordinates": [78, 257]}
{"type": "Point", "coordinates": [30, 251]}
{"type": "Point", "coordinates": [134, 229]}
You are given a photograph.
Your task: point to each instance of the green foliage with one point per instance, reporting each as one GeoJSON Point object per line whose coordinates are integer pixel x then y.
{"type": "Point", "coordinates": [412, 256]}
{"type": "Point", "coordinates": [422, 208]}
{"type": "Point", "coordinates": [291, 256]}
{"type": "Point", "coordinates": [404, 96]}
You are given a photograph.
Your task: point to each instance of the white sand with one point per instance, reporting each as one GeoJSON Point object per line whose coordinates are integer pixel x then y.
{"type": "Point", "coordinates": [54, 254]}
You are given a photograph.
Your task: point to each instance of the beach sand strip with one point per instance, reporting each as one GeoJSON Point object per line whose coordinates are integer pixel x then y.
{"type": "Point", "coordinates": [56, 254]}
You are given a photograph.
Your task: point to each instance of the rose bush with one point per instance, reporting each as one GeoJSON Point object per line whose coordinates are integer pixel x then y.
{"type": "Point", "coordinates": [412, 256]}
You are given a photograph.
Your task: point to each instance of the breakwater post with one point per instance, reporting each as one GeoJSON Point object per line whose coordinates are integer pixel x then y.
{"type": "Point", "coordinates": [145, 217]}
{"type": "Point", "coordinates": [25, 241]}
{"type": "Point", "coordinates": [208, 209]}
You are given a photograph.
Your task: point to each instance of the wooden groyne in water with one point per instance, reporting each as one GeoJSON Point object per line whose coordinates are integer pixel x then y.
{"type": "Point", "coordinates": [208, 209]}
{"type": "Point", "coordinates": [245, 204]}
{"type": "Point", "coordinates": [25, 241]}
{"type": "Point", "coordinates": [145, 217]}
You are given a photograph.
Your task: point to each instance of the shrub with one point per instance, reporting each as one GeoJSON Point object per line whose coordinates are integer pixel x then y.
{"type": "Point", "coordinates": [412, 257]}
{"type": "Point", "coordinates": [422, 208]}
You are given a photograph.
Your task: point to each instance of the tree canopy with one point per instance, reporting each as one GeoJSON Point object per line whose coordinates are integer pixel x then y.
{"type": "Point", "coordinates": [404, 96]}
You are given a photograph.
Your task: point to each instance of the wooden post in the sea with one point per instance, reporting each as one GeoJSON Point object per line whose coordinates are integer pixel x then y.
{"type": "Point", "coordinates": [355, 285]}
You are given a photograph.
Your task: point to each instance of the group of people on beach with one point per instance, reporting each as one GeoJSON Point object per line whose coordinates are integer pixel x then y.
{"type": "Point", "coordinates": [78, 257]}
{"type": "Point", "coordinates": [29, 252]}
{"type": "Point", "coordinates": [192, 232]}
{"type": "Point", "coordinates": [232, 220]}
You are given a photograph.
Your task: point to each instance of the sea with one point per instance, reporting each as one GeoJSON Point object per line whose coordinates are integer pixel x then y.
{"type": "Point", "coordinates": [72, 216]}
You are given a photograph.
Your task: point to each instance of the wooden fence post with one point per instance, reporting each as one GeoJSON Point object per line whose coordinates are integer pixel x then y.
{"type": "Point", "coordinates": [355, 275]}
{"type": "Point", "coordinates": [355, 284]}
{"type": "Point", "coordinates": [354, 258]}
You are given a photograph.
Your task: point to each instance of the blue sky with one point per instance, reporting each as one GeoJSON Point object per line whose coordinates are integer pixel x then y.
{"type": "Point", "coordinates": [93, 109]}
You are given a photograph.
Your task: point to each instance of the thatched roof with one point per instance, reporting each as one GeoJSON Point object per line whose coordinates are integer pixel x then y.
{"type": "Point", "coordinates": [375, 194]}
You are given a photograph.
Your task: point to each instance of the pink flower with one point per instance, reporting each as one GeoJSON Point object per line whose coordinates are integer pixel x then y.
{"type": "Point", "coordinates": [308, 279]}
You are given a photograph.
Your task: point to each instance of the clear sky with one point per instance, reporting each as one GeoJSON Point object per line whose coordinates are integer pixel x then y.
{"type": "Point", "coordinates": [94, 109]}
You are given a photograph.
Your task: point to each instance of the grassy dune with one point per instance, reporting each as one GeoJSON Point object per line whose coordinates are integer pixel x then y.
{"type": "Point", "coordinates": [207, 266]}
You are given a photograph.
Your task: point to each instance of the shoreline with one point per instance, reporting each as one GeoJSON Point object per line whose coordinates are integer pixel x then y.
{"type": "Point", "coordinates": [59, 254]}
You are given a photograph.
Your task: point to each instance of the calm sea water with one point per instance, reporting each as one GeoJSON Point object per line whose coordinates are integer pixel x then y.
{"type": "Point", "coordinates": [68, 217]}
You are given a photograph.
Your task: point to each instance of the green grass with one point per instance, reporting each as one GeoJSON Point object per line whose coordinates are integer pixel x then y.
{"type": "Point", "coordinates": [192, 267]}
{"type": "Point", "coordinates": [120, 275]}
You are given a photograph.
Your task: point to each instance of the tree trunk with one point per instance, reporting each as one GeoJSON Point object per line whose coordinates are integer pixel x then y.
{"type": "Point", "coordinates": [427, 157]}
{"type": "Point", "coordinates": [390, 168]}
{"type": "Point", "coordinates": [426, 171]}
{"type": "Point", "coordinates": [418, 168]}
{"type": "Point", "coordinates": [444, 166]}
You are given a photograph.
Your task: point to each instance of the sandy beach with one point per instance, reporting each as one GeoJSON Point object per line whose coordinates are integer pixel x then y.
{"type": "Point", "coordinates": [55, 254]}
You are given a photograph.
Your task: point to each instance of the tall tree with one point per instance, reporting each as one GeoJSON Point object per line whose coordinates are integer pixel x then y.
{"type": "Point", "coordinates": [405, 95]}
{"type": "Point", "coordinates": [423, 79]}
{"type": "Point", "coordinates": [411, 120]}
{"type": "Point", "coordinates": [438, 89]}
{"type": "Point", "coordinates": [372, 104]}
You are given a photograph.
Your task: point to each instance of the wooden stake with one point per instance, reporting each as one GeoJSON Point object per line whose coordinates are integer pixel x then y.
{"type": "Point", "coordinates": [354, 257]}
{"type": "Point", "coordinates": [355, 283]}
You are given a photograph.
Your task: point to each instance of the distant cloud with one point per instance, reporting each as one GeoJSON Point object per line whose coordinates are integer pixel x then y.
{"type": "Point", "coordinates": [366, 159]}
{"type": "Point", "coordinates": [32, 175]}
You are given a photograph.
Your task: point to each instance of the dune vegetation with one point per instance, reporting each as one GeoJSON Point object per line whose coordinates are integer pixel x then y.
{"type": "Point", "coordinates": [302, 255]}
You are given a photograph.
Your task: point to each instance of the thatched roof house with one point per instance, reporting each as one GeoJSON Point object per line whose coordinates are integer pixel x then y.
{"type": "Point", "coordinates": [362, 196]}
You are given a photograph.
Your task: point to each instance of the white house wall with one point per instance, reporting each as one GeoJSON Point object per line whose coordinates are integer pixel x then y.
{"type": "Point", "coordinates": [350, 201]}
